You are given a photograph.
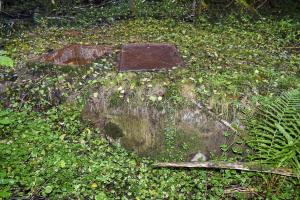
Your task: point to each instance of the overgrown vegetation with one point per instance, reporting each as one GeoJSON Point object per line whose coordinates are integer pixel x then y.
{"type": "Point", "coordinates": [235, 64]}
{"type": "Point", "coordinates": [276, 132]}
{"type": "Point", "coordinates": [54, 155]}
{"type": "Point", "coordinates": [5, 61]}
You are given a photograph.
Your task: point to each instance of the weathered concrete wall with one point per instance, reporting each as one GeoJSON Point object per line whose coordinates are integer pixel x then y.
{"type": "Point", "coordinates": [144, 126]}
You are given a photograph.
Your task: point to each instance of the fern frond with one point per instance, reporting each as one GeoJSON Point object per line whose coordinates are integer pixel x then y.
{"type": "Point", "coordinates": [275, 134]}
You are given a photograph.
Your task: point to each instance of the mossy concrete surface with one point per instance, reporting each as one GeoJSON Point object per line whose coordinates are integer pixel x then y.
{"type": "Point", "coordinates": [145, 126]}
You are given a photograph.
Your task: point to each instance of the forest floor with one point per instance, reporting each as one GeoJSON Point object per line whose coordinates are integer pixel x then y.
{"type": "Point", "coordinates": [48, 152]}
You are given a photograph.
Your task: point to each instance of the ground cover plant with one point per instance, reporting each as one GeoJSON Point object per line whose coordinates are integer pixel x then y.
{"type": "Point", "coordinates": [54, 155]}
{"type": "Point", "coordinates": [282, 133]}
{"type": "Point", "coordinates": [235, 65]}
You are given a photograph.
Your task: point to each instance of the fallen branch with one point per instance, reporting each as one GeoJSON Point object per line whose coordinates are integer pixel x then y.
{"type": "Point", "coordinates": [67, 17]}
{"type": "Point", "coordinates": [241, 190]}
{"type": "Point", "coordinates": [292, 47]}
{"type": "Point", "coordinates": [231, 166]}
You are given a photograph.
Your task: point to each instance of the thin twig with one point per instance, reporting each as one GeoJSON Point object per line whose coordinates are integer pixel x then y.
{"type": "Point", "coordinates": [211, 113]}
{"type": "Point", "coordinates": [240, 190]}
{"type": "Point", "coordinates": [232, 166]}
{"type": "Point", "coordinates": [68, 17]}
{"type": "Point", "coordinates": [229, 4]}
{"type": "Point", "coordinates": [7, 14]}
{"type": "Point", "coordinates": [261, 5]}
{"type": "Point", "coordinates": [91, 5]}
{"type": "Point", "coordinates": [291, 47]}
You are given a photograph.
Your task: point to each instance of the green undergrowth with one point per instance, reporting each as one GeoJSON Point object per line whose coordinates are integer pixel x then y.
{"type": "Point", "coordinates": [274, 132]}
{"type": "Point", "coordinates": [54, 155]}
{"type": "Point", "coordinates": [48, 152]}
{"type": "Point", "coordinates": [226, 62]}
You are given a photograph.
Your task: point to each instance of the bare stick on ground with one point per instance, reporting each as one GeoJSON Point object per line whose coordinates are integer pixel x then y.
{"type": "Point", "coordinates": [233, 166]}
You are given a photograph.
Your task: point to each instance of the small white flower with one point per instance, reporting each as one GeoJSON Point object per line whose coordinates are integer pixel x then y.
{"type": "Point", "coordinates": [192, 79]}
{"type": "Point", "coordinates": [95, 95]}
{"type": "Point", "coordinates": [120, 88]}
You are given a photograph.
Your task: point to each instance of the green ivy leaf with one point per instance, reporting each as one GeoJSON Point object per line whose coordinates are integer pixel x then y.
{"type": "Point", "coordinates": [62, 164]}
{"type": "Point", "coordinates": [153, 98]}
{"type": "Point", "coordinates": [48, 189]}
{"type": "Point", "coordinates": [4, 113]}
{"type": "Point", "coordinates": [6, 61]}
{"type": "Point", "coordinates": [224, 147]}
{"type": "Point", "coordinates": [6, 121]}
{"type": "Point", "coordinates": [101, 196]}
{"type": "Point", "coordinates": [4, 193]}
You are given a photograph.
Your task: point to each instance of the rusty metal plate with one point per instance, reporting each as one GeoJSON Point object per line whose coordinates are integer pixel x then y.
{"type": "Point", "coordinates": [75, 54]}
{"type": "Point", "coordinates": [149, 57]}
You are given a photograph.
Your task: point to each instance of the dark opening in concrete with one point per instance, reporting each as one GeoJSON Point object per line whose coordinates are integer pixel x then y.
{"type": "Point", "coordinates": [148, 57]}
{"type": "Point", "coordinates": [113, 130]}
{"type": "Point", "coordinates": [75, 54]}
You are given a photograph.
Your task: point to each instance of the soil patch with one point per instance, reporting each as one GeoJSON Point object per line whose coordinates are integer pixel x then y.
{"type": "Point", "coordinates": [75, 54]}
